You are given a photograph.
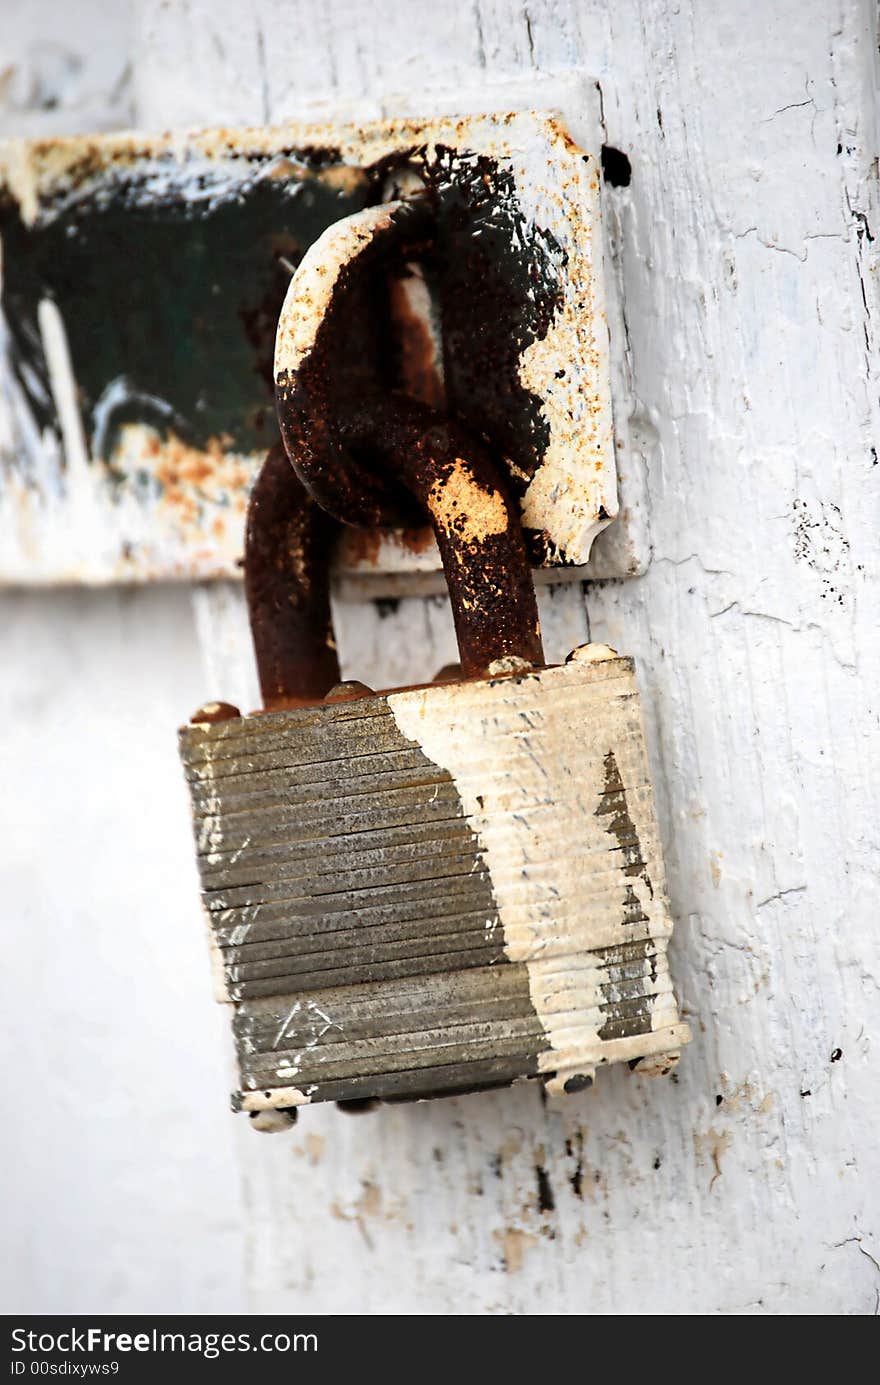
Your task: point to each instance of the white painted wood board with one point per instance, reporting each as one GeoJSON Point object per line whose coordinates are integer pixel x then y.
{"type": "Point", "coordinates": [750, 303]}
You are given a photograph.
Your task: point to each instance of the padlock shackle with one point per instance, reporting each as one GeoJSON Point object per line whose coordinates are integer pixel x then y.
{"type": "Point", "coordinates": [360, 450]}
{"type": "Point", "coordinates": [288, 537]}
{"type": "Point", "coordinates": [323, 365]}
{"type": "Point", "coordinates": [475, 521]}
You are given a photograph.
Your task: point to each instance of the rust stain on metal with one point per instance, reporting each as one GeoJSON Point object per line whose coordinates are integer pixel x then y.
{"type": "Point", "coordinates": [287, 581]}
{"type": "Point", "coordinates": [213, 712]}
{"type": "Point", "coordinates": [366, 454]}
{"type": "Point", "coordinates": [136, 435]}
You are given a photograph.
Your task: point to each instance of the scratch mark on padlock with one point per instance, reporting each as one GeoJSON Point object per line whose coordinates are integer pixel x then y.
{"type": "Point", "coordinates": [236, 854]}
{"type": "Point", "coordinates": [534, 759]}
{"type": "Point", "coordinates": [297, 1005]}
{"type": "Point", "coordinates": [329, 1024]}
{"type": "Point", "coordinates": [287, 1068]}
{"type": "Point", "coordinates": [530, 723]}
{"type": "Point", "coordinates": [211, 834]}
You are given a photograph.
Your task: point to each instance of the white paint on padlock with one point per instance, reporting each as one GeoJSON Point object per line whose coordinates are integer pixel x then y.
{"type": "Point", "coordinates": [531, 756]}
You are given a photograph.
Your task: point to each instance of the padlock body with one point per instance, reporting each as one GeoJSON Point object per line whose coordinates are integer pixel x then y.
{"type": "Point", "coordinates": [437, 889]}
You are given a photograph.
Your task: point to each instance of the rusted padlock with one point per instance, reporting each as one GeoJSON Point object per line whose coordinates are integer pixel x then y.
{"type": "Point", "coordinates": [437, 888]}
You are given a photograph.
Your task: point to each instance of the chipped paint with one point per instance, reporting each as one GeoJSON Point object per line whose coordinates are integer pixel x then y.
{"type": "Point", "coordinates": [279, 1097]}
{"type": "Point", "coordinates": [513, 1243]}
{"type": "Point", "coordinates": [540, 818]}
{"type": "Point", "coordinates": [312, 288]}
{"type": "Point", "coordinates": [100, 437]}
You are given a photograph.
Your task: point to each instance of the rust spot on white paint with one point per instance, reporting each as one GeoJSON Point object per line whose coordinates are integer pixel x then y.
{"type": "Point", "coordinates": [514, 1243]}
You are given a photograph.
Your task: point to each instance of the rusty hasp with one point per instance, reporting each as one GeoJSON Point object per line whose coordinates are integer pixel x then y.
{"type": "Point", "coordinates": [334, 352]}
{"type": "Point", "coordinates": [139, 389]}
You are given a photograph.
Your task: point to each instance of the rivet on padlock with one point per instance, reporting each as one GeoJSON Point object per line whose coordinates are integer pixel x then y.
{"type": "Point", "coordinates": [433, 889]}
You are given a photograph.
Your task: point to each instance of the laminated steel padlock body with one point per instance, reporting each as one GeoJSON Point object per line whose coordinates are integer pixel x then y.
{"type": "Point", "coordinates": [437, 889]}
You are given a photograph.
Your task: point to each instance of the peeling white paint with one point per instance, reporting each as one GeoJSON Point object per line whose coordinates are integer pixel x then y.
{"type": "Point", "coordinates": [164, 510]}
{"type": "Point", "coordinates": [311, 288]}
{"type": "Point", "coordinates": [279, 1097]}
{"type": "Point", "coordinates": [556, 870]}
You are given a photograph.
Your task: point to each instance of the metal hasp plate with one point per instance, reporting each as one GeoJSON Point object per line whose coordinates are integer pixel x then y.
{"type": "Point", "coordinates": [142, 281]}
{"type": "Point", "coordinates": [417, 892]}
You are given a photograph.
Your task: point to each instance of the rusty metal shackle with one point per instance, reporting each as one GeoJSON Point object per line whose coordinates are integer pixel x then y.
{"type": "Point", "coordinates": [354, 456]}
{"type": "Point", "coordinates": [325, 363]}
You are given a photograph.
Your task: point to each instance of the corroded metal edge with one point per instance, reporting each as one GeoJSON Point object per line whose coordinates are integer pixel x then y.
{"type": "Point", "coordinates": [192, 527]}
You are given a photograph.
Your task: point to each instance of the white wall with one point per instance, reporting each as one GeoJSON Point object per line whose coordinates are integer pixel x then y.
{"type": "Point", "coordinates": [750, 307]}
{"type": "Point", "coordinates": [118, 1156]}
